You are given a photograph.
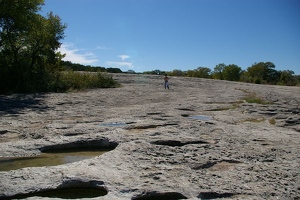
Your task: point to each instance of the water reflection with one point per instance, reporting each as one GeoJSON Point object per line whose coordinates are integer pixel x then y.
{"type": "Point", "coordinates": [57, 157]}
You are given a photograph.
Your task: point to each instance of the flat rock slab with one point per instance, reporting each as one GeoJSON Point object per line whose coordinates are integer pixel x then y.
{"type": "Point", "coordinates": [198, 140]}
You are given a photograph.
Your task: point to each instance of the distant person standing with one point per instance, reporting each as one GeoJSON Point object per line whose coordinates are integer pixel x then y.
{"type": "Point", "coordinates": [166, 78]}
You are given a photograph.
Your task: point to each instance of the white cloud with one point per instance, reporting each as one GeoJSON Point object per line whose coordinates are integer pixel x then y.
{"type": "Point", "coordinates": [102, 47]}
{"type": "Point", "coordinates": [123, 57]}
{"type": "Point", "coordinates": [75, 56]}
{"type": "Point", "coordinates": [120, 64]}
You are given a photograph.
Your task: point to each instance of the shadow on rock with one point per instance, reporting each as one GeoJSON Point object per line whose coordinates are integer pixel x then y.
{"type": "Point", "coordinates": [15, 104]}
{"type": "Point", "coordinates": [159, 196]}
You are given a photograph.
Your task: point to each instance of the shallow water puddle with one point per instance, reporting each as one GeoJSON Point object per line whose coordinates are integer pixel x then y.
{"type": "Point", "coordinates": [57, 157]}
{"type": "Point", "coordinates": [202, 117]}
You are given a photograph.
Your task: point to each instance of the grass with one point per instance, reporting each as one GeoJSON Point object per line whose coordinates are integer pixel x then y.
{"type": "Point", "coordinates": [233, 106]}
{"type": "Point", "coordinates": [252, 97]}
{"type": "Point", "coordinates": [272, 121]}
{"type": "Point", "coordinates": [254, 120]}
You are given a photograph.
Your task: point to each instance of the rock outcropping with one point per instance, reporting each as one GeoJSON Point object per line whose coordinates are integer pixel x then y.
{"type": "Point", "coordinates": [198, 140]}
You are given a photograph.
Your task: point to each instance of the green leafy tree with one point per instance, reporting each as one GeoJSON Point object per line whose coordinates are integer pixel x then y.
{"type": "Point", "coordinates": [200, 72]}
{"type": "Point", "coordinates": [113, 70]}
{"type": "Point", "coordinates": [232, 72]}
{"type": "Point", "coordinates": [297, 79]}
{"type": "Point", "coordinates": [218, 71]}
{"type": "Point", "coordinates": [203, 72]}
{"type": "Point", "coordinates": [287, 78]}
{"type": "Point", "coordinates": [131, 71]}
{"type": "Point", "coordinates": [244, 77]}
{"type": "Point", "coordinates": [155, 72]}
{"type": "Point", "coordinates": [68, 65]}
{"type": "Point", "coordinates": [190, 73]}
{"type": "Point", "coordinates": [255, 73]}
{"type": "Point", "coordinates": [177, 72]}
{"type": "Point", "coordinates": [263, 72]}
{"type": "Point", "coordinates": [28, 46]}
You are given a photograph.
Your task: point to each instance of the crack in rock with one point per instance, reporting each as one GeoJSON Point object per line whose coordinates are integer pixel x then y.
{"type": "Point", "coordinates": [89, 144]}
{"type": "Point", "coordinates": [215, 195]}
{"type": "Point", "coordinates": [152, 126]}
{"type": "Point", "coordinates": [71, 189]}
{"type": "Point", "coordinates": [212, 164]}
{"type": "Point", "coordinates": [159, 196]}
{"type": "Point", "coordinates": [174, 143]}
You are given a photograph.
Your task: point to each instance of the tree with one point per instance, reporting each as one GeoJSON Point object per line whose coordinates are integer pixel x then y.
{"type": "Point", "coordinates": [263, 72]}
{"type": "Point", "coordinates": [200, 72]}
{"type": "Point", "coordinates": [130, 71]}
{"type": "Point", "coordinates": [155, 72]}
{"type": "Point", "coordinates": [255, 73]}
{"type": "Point", "coordinates": [113, 70]}
{"type": "Point", "coordinates": [244, 77]}
{"type": "Point", "coordinates": [190, 73]}
{"type": "Point", "coordinates": [287, 78]}
{"type": "Point", "coordinates": [177, 72]}
{"type": "Point", "coordinates": [218, 71]}
{"type": "Point", "coordinates": [203, 72]}
{"type": "Point", "coordinates": [28, 46]}
{"type": "Point", "coordinates": [232, 72]}
{"type": "Point", "coordinates": [68, 65]}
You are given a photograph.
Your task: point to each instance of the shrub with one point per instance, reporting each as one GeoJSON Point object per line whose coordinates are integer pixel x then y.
{"type": "Point", "coordinates": [253, 98]}
{"type": "Point", "coordinates": [272, 121]}
{"type": "Point", "coordinates": [70, 80]}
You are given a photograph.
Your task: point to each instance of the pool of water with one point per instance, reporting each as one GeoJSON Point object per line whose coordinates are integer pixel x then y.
{"type": "Point", "coordinates": [201, 117]}
{"type": "Point", "coordinates": [56, 157]}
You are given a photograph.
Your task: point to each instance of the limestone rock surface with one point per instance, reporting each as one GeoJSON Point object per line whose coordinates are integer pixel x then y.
{"type": "Point", "coordinates": [198, 140]}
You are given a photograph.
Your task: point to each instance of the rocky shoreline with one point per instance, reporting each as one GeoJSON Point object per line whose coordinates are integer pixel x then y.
{"type": "Point", "coordinates": [198, 140]}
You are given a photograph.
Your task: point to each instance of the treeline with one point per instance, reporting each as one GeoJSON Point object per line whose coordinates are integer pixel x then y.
{"type": "Point", "coordinates": [68, 65]}
{"type": "Point", "coordinates": [259, 73]}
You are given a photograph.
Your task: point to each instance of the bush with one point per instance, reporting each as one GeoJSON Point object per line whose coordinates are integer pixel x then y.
{"type": "Point", "coordinates": [253, 98]}
{"type": "Point", "coordinates": [70, 80]}
{"type": "Point", "coordinates": [272, 121]}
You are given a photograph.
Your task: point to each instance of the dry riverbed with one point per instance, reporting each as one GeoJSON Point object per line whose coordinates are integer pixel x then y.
{"type": "Point", "coordinates": [198, 140]}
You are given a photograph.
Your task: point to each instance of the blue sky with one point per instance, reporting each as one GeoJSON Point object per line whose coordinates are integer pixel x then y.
{"type": "Point", "coordinates": [144, 35]}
